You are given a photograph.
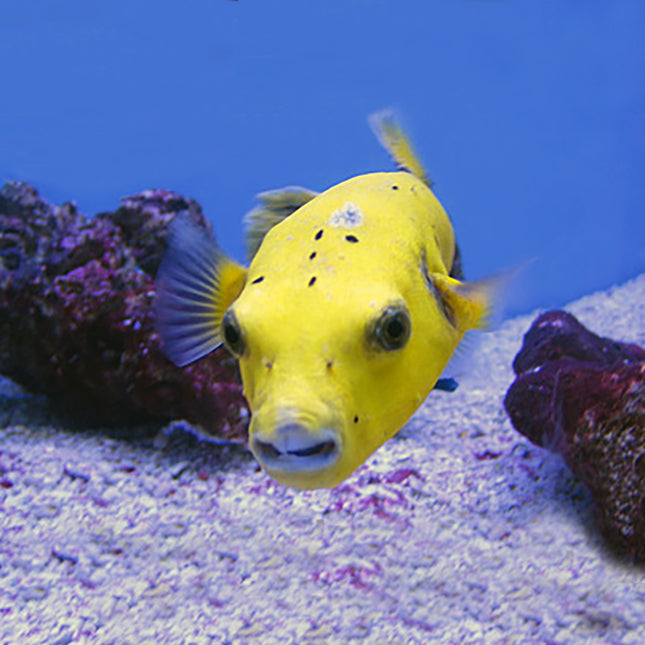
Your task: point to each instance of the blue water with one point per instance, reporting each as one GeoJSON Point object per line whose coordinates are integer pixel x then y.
{"type": "Point", "coordinates": [530, 116]}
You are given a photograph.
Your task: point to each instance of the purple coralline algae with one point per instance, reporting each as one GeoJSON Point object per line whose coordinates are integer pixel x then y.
{"type": "Point", "coordinates": [583, 396]}
{"type": "Point", "coordinates": [77, 320]}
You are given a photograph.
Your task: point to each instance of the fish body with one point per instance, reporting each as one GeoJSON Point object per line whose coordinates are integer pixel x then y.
{"type": "Point", "coordinates": [342, 324]}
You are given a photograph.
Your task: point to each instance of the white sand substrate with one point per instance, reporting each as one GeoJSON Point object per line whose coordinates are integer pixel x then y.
{"type": "Point", "coordinates": [456, 531]}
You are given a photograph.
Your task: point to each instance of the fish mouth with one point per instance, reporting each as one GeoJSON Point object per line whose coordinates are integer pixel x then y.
{"type": "Point", "coordinates": [296, 449]}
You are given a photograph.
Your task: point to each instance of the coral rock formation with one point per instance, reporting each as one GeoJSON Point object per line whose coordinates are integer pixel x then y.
{"type": "Point", "coordinates": [584, 396]}
{"type": "Point", "coordinates": [76, 317]}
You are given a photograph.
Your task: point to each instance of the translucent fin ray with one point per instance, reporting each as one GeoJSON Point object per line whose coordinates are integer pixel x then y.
{"type": "Point", "coordinates": [195, 284]}
{"type": "Point", "coordinates": [473, 305]}
{"type": "Point", "coordinates": [275, 206]}
{"type": "Point", "coordinates": [388, 131]}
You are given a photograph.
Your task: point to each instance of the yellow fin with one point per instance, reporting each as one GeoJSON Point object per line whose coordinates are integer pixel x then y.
{"type": "Point", "coordinates": [196, 283]}
{"type": "Point", "coordinates": [471, 305]}
{"type": "Point", "coordinates": [275, 206]}
{"type": "Point", "coordinates": [388, 131]}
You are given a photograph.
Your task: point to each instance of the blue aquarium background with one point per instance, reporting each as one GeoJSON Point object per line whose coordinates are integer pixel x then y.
{"type": "Point", "coordinates": [530, 116]}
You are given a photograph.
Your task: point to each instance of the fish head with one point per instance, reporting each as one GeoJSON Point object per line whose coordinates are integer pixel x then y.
{"type": "Point", "coordinates": [343, 322]}
{"type": "Point", "coordinates": [333, 367]}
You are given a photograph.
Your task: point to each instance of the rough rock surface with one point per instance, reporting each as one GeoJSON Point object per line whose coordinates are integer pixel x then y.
{"type": "Point", "coordinates": [584, 396]}
{"type": "Point", "coordinates": [76, 318]}
{"type": "Point", "coordinates": [458, 530]}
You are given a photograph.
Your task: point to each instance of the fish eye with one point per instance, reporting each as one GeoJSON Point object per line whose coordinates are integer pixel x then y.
{"type": "Point", "coordinates": [392, 328]}
{"type": "Point", "coordinates": [232, 334]}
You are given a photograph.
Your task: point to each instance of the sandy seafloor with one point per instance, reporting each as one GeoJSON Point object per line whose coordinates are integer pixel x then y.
{"type": "Point", "coordinates": [456, 531]}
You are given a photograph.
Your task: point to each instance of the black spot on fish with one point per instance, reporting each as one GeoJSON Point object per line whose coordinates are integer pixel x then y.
{"type": "Point", "coordinates": [356, 419]}
{"type": "Point", "coordinates": [312, 256]}
{"type": "Point", "coordinates": [395, 188]}
{"type": "Point", "coordinates": [318, 235]}
{"type": "Point", "coordinates": [258, 280]}
{"type": "Point", "coordinates": [351, 238]}
{"type": "Point", "coordinates": [330, 364]}
{"type": "Point", "coordinates": [311, 282]}
{"type": "Point", "coordinates": [268, 365]}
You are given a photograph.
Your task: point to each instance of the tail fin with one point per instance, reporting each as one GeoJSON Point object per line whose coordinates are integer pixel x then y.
{"type": "Point", "coordinates": [196, 283]}
{"type": "Point", "coordinates": [275, 205]}
{"type": "Point", "coordinates": [388, 131]}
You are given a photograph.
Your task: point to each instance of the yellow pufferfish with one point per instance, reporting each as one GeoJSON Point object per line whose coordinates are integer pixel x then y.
{"type": "Point", "coordinates": [342, 324]}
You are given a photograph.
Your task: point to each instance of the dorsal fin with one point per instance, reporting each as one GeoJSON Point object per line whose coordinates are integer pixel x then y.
{"type": "Point", "coordinates": [195, 285]}
{"type": "Point", "coordinates": [388, 131]}
{"type": "Point", "coordinates": [275, 206]}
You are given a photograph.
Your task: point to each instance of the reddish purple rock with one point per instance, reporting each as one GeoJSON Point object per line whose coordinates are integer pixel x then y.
{"type": "Point", "coordinates": [584, 396]}
{"type": "Point", "coordinates": [76, 317]}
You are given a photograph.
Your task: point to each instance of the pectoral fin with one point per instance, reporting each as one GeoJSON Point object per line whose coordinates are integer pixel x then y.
{"type": "Point", "coordinates": [469, 305]}
{"type": "Point", "coordinates": [196, 283]}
